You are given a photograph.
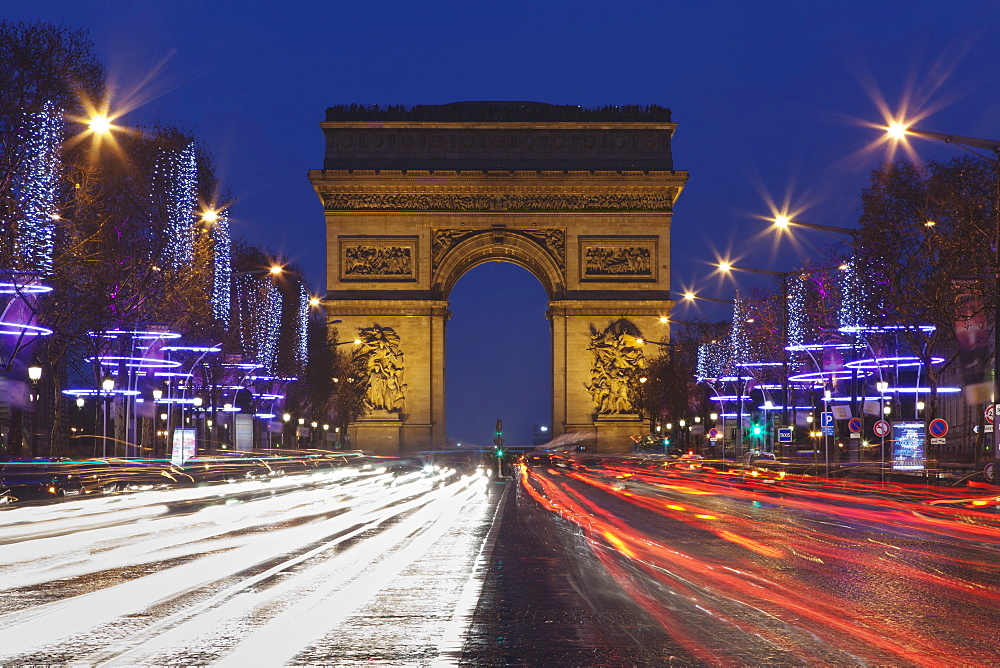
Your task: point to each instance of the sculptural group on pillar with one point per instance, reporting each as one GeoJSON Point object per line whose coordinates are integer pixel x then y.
{"type": "Point", "coordinates": [383, 358]}
{"type": "Point", "coordinates": [618, 359]}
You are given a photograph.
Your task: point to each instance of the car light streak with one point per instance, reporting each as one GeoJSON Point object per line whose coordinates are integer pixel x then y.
{"type": "Point", "coordinates": [322, 528]}
{"type": "Point", "coordinates": [765, 583]}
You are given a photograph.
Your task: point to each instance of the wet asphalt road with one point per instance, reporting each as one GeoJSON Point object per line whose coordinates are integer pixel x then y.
{"type": "Point", "coordinates": [544, 604]}
{"type": "Point", "coordinates": [559, 566]}
{"type": "Point", "coordinates": [657, 567]}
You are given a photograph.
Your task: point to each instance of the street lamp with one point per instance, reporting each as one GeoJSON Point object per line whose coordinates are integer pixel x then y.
{"type": "Point", "coordinates": [690, 296]}
{"type": "Point", "coordinates": [784, 224]}
{"type": "Point", "coordinates": [34, 375]}
{"type": "Point", "coordinates": [107, 387]}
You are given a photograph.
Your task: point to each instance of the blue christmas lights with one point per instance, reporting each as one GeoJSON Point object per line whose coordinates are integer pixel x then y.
{"type": "Point", "coordinates": [175, 176]}
{"type": "Point", "coordinates": [36, 192]}
{"type": "Point", "coordinates": [222, 275]}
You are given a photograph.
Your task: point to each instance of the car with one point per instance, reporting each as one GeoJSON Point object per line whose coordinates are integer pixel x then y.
{"type": "Point", "coordinates": [690, 461]}
{"type": "Point", "coordinates": [763, 467]}
{"type": "Point", "coordinates": [42, 478]}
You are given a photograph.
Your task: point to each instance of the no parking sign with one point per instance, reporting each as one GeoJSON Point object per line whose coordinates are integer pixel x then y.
{"type": "Point", "coordinates": [938, 428]}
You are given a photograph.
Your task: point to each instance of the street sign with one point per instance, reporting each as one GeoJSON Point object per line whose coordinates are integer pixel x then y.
{"type": "Point", "coordinates": [937, 428]}
{"type": "Point", "coordinates": [784, 434]}
{"type": "Point", "coordinates": [881, 428]}
{"type": "Point", "coordinates": [854, 424]}
{"type": "Point", "coordinates": [988, 472]}
{"type": "Point", "coordinates": [713, 433]}
{"type": "Point", "coordinates": [989, 414]}
{"type": "Point", "coordinates": [938, 441]}
{"type": "Point", "coordinates": [826, 423]}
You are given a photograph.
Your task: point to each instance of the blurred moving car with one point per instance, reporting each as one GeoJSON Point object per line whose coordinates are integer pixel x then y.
{"type": "Point", "coordinates": [690, 461]}
{"type": "Point", "coordinates": [763, 467]}
{"type": "Point", "coordinates": [42, 478]}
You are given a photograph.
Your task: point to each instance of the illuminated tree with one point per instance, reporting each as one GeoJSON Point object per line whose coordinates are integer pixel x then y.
{"type": "Point", "coordinates": [925, 252]}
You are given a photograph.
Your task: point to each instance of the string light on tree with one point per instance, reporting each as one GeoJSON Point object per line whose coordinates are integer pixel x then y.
{"type": "Point", "coordinates": [797, 317]}
{"type": "Point", "coordinates": [259, 317]}
{"type": "Point", "coordinates": [302, 351]}
{"type": "Point", "coordinates": [713, 358]}
{"type": "Point", "coordinates": [852, 297]}
{"type": "Point", "coordinates": [740, 339]}
{"type": "Point", "coordinates": [222, 275]}
{"type": "Point", "coordinates": [175, 179]}
{"type": "Point", "coordinates": [36, 191]}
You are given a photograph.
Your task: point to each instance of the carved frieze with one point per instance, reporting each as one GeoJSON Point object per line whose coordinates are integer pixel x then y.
{"type": "Point", "coordinates": [377, 261]}
{"type": "Point", "coordinates": [621, 258]}
{"type": "Point", "coordinates": [552, 239]}
{"type": "Point", "coordinates": [387, 258]}
{"type": "Point", "coordinates": [499, 202]}
{"type": "Point", "coordinates": [623, 261]}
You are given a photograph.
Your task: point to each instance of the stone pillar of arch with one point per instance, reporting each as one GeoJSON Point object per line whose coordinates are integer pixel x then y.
{"type": "Point", "coordinates": [415, 198]}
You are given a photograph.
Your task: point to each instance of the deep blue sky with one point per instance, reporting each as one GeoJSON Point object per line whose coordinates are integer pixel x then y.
{"type": "Point", "coordinates": [770, 98]}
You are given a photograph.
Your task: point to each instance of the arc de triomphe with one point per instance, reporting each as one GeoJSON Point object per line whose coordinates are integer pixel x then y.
{"type": "Point", "coordinates": [414, 198]}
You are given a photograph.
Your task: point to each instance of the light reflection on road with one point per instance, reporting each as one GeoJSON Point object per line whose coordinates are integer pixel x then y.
{"type": "Point", "coordinates": [800, 572]}
{"type": "Point", "coordinates": [248, 573]}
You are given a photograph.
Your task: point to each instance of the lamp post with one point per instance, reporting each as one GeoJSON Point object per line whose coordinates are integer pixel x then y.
{"type": "Point", "coordinates": [899, 132]}
{"type": "Point", "coordinates": [107, 387]}
{"type": "Point", "coordinates": [157, 395]}
{"type": "Point", "coordinates": [34, 375]}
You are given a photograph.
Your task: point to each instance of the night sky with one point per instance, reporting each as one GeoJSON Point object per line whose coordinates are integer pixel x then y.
{"type": "Point", "coordinates": [772, 101]}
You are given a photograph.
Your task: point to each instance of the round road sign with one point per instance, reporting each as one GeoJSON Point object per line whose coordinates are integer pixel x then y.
{"type": "Point", "coordinates": [881, 428]}
{"type": "Point", "coordinates": [713, 433]}
{"type": "Point", "coordinates": [938, 428]}
{"type": "Point", "coordinates": [989, 414]}
{"type": "Point", "coordinates": [854, 424]}
{"type": "Point", "coordinates": [988, 472]}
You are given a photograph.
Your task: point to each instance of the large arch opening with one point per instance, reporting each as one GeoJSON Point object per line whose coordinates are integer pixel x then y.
{"type": "Point", "coordinates": [498, 359]}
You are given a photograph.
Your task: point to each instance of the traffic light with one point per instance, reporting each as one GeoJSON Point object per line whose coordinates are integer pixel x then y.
{"type": "Point", "coordinates": [756, 429]}
{"type": "Point", "coordinates": [499, 427]}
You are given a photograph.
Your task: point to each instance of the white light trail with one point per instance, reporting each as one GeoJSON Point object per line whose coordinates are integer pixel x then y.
{"type": "Point", "coordinates": [281, 562]}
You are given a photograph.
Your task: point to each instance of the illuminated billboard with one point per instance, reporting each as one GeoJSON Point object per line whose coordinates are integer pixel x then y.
{"type": "Point", "coordinates": [908, 446]}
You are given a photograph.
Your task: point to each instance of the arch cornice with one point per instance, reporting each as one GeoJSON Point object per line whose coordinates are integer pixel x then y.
{"type": "Point", "coordinates": [499, 245]}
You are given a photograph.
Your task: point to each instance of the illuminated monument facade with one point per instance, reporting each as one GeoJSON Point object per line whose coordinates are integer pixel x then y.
{"type": "Point", "coordinates": [414, 198]}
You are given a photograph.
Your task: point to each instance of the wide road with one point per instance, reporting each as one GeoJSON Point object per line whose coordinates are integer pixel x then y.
{"type": "Point", "coordinates": [357, 565]}
{"type": "Point", "coordinates": [720, 569]}
{"type": "Point", "coordinates": [574, 562]}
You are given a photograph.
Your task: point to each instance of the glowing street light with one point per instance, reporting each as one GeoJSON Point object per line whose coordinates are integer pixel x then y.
{"type": "Point", "coordinates": [785, 224]}
{"type": "Point", "coordinates": [100, 125]}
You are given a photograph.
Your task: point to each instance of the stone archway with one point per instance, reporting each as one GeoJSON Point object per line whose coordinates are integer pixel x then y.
{"type": "Point", "coordinates": [582, 199]}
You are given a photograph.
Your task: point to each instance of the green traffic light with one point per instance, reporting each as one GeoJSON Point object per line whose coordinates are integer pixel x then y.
{"type": "Point", "coordinates": [757, 431]}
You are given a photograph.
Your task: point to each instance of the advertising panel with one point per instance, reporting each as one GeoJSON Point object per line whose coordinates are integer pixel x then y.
{"type": "Point", "coordinates": [183, 446]}
{"type": "Point", "coordinates": [908, 446]}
